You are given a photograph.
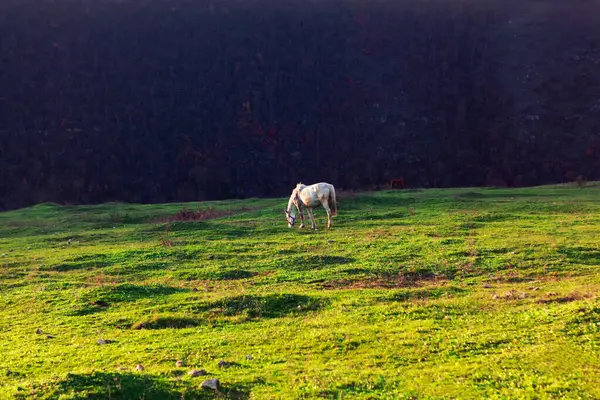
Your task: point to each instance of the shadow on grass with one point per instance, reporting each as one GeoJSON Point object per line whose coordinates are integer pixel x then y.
{"type": "Point", "coordinates": [308, 263]}
{"type": "Point", "coordinates": [99, 299]}
{"type": "Point", "coordinates": [131, 292]}
{"type": "Point", "coordinates": [469, 195]}
{"type": "Point", "coordinates": [494, 217]}
{"type": "Point", "coordinates": [581, 255]}
{"type": "Point", "coordinates": [450, 241]}
{"type": "Point", "coordinates": [233, 274]}
{"type": "Point", "coordinates": [350, 389]}
{"type": "Point", "coordinates": [387, 216]}
{"type": "Point", "coordinates": [472, 348]}
{"type": "Point", "coordinates": [385, 279]}
{"type": "Point", "coordinates": [268, 306]}
{"type": "Point", "coordinates": [356, 271]}
{"type": "Point", "coordinates": [147, 266]}
{"type": "Point", "coordinates": [112, 385]}
{"type": "Point", "coordinates": [79, 265]}
{"type": "Point", "coordinates": [167, 323]}
{"type": "Point", "coordinates": [424, 294]}
{"type": "Point", "coordinates": [220, 275]}
{"type": "Point", "coordinates": [585, 322]}
{"type": "Point", "coordinates": [467, 226]}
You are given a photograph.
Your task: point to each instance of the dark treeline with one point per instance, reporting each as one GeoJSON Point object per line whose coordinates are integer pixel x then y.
{"type": "Point", "coordinates": [153, 101]}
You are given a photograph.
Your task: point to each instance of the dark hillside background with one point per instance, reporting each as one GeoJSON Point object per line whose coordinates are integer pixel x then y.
{"type": "Point", "coordinates": [155, 101]}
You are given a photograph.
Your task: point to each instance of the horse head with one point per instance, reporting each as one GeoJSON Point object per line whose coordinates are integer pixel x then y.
{"type": "Point", "coordinates": [291, 219]}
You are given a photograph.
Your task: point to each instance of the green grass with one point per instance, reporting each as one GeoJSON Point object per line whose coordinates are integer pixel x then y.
{"type": "Point", "coordinates": [462, 293]}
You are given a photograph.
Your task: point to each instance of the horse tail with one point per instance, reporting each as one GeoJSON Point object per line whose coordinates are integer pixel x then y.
{"type": "Point", "coordinates": [332, 201]}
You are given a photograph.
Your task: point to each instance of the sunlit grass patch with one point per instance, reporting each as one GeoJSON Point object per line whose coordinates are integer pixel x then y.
{"type": "Point", "coordinates": [448, 293]}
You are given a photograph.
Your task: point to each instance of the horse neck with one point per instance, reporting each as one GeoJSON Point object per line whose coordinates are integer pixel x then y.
{"type": "Point", "coordinates": [290, 208]}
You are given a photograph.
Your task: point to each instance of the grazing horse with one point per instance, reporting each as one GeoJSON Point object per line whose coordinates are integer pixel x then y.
{"type": "Point", "coordinates": [397, 183]}
{"type": "Point", "coordinates": [308, 197]}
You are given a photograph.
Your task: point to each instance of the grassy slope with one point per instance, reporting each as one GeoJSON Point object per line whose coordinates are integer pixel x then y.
{"type": "Point", "coordinates": [428, 294]}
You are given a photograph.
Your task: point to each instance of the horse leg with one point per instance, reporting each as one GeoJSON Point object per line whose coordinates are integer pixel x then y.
{"type": "Point", "coordinates": [325, 205]}
{"type": "Point", "coordinates": [312, 218]}
{"type": "Point", "coordinates": [301, 212]}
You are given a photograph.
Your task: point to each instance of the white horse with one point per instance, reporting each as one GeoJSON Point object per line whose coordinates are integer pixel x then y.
{"type": "Point", "coordinates": [308, 197]}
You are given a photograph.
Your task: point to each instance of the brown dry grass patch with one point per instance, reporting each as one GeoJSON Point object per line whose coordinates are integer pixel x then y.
{"type": "Point", "coordinates": [199, 214]}
{"type": "Point", "coordinates": [186, 214]}
{"type": "Point", "coordinates": [555, 298]}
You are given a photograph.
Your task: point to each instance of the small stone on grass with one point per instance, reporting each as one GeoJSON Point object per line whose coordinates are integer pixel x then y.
{"type": "Point", "coordinates": [210, 384]}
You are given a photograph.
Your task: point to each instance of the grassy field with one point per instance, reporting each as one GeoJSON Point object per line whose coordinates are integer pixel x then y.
{"type": "Point", "coordinates": [425, 294]}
